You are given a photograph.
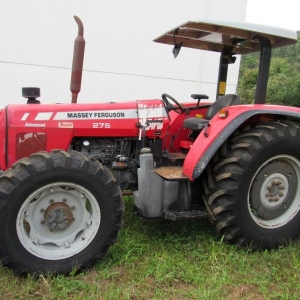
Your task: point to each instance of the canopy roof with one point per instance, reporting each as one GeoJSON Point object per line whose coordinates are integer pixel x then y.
{"type": "Point", "coordinates": [214, 35]}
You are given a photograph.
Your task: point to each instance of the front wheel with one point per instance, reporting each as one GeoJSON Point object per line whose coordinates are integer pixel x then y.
{"type": "Point", "coordinates": [58, 211]}
{"type": "Point", "coordinates": [252, 191]}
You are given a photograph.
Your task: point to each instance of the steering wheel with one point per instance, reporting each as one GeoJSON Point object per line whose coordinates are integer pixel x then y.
{"type": "Point", "coordinates": [178, 108]}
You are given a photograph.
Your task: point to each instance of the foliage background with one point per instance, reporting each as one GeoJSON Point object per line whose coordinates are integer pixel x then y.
{"type": "Point", "coordinates": [284, 76]}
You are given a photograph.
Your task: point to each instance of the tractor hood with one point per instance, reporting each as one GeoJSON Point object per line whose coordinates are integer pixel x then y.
{"type": "Point", "coordinates": [214, 35]}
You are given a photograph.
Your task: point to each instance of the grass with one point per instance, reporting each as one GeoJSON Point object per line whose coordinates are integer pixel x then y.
{"type": "Point", "coordinates": [159, 259]}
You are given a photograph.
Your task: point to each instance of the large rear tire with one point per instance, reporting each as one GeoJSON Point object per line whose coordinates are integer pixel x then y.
{"type": "Point", "coordinates": [58, 211]}
{"type": "Point", "coordinates": [252, 189]}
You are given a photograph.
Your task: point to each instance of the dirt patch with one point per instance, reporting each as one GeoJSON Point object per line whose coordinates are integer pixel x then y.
{"type": "Point", "coordinates": [242, 292]}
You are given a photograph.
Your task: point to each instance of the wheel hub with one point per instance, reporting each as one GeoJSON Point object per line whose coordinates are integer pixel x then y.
{"type": "Point", "coordinates": [58, 216]}
{"type": "Point", "coordinates": [274, 189]}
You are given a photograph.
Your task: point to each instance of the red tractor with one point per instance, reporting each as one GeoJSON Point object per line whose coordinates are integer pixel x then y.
{"type": "Point", "coordinates": [238, 165]}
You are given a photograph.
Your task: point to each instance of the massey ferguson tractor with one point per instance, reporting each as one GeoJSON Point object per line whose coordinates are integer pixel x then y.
{"type": "Point", "coordinates": [64, 167]}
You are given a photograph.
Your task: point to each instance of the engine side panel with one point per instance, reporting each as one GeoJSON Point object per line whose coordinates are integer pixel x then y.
{"type": "Point", "coordinates": [37, 127]}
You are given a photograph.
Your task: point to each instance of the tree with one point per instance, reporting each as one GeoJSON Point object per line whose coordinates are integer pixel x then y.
{"type": "Point", "coordinates": [284, 76]}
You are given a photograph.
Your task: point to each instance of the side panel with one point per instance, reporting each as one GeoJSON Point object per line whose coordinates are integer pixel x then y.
{"type": "Point", "coordinates": [152, 118]}
{"type": "Point", "coordinates": [176, 133]}
{"type": "Point", "coordinates": [3, 139]}
{"type": "Point", "coordinates": [220, 129]}
{"type": "Point", "coordinates": [36, 127]}
{"type": "Point", "coordinates": [23, 141]}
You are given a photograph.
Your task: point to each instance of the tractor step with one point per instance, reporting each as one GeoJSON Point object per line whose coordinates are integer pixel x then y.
{"type": "Point", "coordinates": [171, 173]}
{"type": "Point", "coordinates": [185, 215]}
{"type": "Point", "coordinates": [177, 156]}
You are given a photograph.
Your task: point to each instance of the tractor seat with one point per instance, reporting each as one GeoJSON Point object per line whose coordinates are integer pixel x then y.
{"type": "Point", "coordinates": [223, 101]}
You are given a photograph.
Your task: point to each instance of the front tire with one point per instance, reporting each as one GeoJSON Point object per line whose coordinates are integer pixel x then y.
{"type": "Point", "coordinates": [252, 190]}
{"type": "Point", "coordinates": [58, 211]}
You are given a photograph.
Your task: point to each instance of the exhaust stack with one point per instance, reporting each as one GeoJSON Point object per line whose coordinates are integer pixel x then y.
{"type": "Point", "coordinates": [77, 65]}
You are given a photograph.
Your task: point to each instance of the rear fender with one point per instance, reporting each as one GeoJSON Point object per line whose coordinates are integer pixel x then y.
{"type": "Point", "coordinates": [220, 129]}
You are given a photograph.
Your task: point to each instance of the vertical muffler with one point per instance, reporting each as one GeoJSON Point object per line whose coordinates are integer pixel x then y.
{"type": "Point", "coordinates": [77, 65]}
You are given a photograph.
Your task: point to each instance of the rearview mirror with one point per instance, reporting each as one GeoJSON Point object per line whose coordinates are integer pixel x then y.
{"type": "Point", "coordinates": [177, 47]}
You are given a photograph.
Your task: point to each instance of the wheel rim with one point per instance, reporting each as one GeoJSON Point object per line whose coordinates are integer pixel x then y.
{"type": "Point", "coordinates": [274, 194]}
{"type": "Point", "coordinates": [58, 220]}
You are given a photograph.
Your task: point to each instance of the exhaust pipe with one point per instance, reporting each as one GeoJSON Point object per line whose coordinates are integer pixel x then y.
{"type": "Point", "coordinates": [77, 65]}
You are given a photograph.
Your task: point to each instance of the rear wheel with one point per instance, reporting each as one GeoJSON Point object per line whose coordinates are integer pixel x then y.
{"type": "Point", "coordinates": [252, 190]}
{"type": "Point", "coordinates": [58, 211]}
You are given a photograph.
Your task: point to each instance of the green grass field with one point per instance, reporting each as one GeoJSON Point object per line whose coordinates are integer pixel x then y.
{"type": "Point", "coordinates": [159, 259]}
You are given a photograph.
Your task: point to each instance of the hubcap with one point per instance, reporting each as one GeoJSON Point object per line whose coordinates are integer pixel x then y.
{"type": "Point", "coordinates": [58, 216]}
